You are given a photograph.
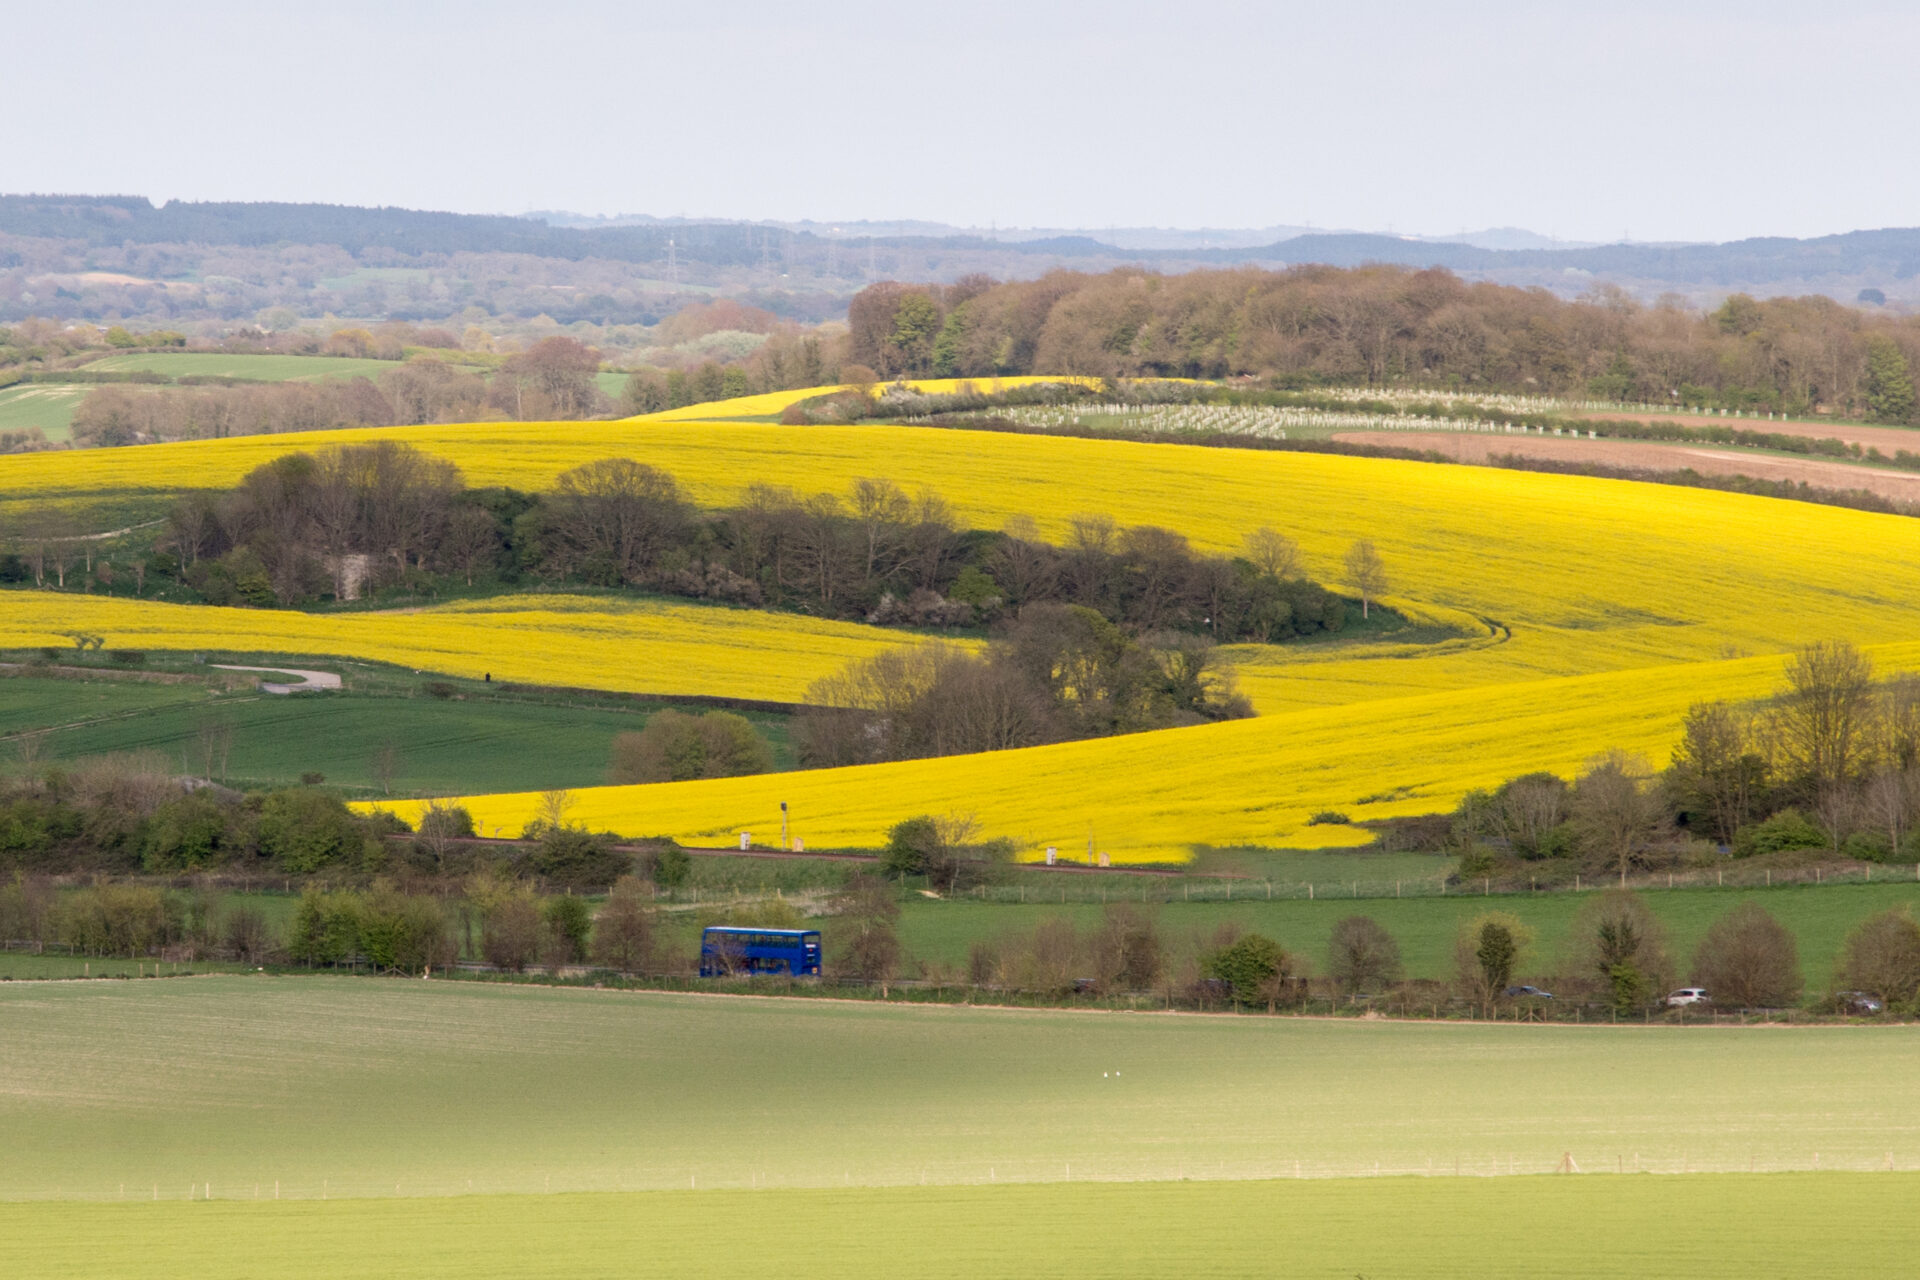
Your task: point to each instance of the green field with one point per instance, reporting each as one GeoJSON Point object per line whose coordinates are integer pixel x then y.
{"type": "Point", "coordinates": [1708, 1227]}
{"type": "Point", "coordinates": [1820, 919]}
{"type": "Point", "coordinates": [263, 368]}
{"type": "Point", "coordinates": [475, 742]}
{"type": "Point", "coordinates": [357, 1087]}
{"type": "Point", "coordinates": [47, 406]}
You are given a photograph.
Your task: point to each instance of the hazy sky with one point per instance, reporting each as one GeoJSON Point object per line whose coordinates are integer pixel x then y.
{"type": "Point", "coordinates": [1659, 120]}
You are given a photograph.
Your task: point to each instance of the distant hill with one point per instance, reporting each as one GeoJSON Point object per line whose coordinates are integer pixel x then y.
{"type": "Point", "coordinates": [86, 254]}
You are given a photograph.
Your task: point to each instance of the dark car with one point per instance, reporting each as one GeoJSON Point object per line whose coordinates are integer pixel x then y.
{"type": "Point", "coordinates": [1528, 993]}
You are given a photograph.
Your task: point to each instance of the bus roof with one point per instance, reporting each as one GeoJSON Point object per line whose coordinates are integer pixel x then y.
{"type": "Point", "coordinates": [747, 928]}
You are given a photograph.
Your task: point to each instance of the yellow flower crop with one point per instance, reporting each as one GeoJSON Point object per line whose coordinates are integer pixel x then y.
{"type": "Point", "coordinates": [1586, 613]}
{"type": "Point", "coordinates": [577, 641]}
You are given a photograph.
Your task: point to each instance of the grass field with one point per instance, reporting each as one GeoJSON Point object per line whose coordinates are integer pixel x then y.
{"type": "Point", "coordinates": [444, 745]}
{"type": "Point", "coordinates": [48, 406]}
{"type": "Point", "coordinates": [261, 368]}
{"type": "Point", "coordinates": [375, 1087]}
{"type": "Point", "coordinates": [1819, 917]}
{"type": "Point", "coordinates": [1726, 1227]}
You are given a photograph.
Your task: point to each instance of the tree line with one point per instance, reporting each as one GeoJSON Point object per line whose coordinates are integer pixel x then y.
{"type": "Point", "coordinates": [552, 379]}
{"type": "Point", "coordinates": [1394, 326]}
{"type": "Point", "coordinates": [349, 520]}
{"type": "Point", "coordinates": [1830, 764]}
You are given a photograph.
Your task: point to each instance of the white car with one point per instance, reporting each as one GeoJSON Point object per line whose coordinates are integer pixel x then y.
{"type": "Point", "coordinates": [1688, 995]}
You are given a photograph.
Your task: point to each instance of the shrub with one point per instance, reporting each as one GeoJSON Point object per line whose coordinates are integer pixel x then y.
{"type": "Point", "coordinates": [1252, 968]}
{"type": "Point", "coordinates": [117, 919]}
{"type": "Point", "coordinates": [127, 657]}
{"type": "Point", "coordinates": [623, 932]}
{"type": "Point", "coordinates": [510, 931]}
{"type": "Point", "coordinates": [1488, 951]}
{"type": "Point", "coordinates": [676, 747]}
{"type": "Point", "coordinates": [1126, 950]}
{"type": "Point", "coordinates": [569, 923]}
{"type": "Point", "coordinates": [325, 928]}
{"type": "Point", "coordinates": [670, 866]}
{"type": "Point", "coordinates": [247, 936]}
{"type": "Point", "coordinates": [576, 858]}
{"type": "Point", "coordinates": [446, 822]}
{"type": "Point", "coordinates": [1882, 957]}
{"type": "Point", "coordinates": [1619, 949]}
{"type": "Point", "coordinates": [192, 830]}
{"type": "Point", "coordinates": [1748, 960]}
{"type": "Point", "coordinates": [1361, 954]}
{"type": "Point", "coordinates": [439, 689]}
{"type": "Point", "coordinates": [1786, 830]}
{"type": "Point", "coordinates": [303, 830]}
{"type": "Point", "coordinates": [1329, 817]}
{"type": "Point", "coordinates": [404, 933]}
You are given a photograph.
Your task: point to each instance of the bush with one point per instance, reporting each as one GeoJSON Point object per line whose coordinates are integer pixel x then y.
{"type": "Point", "coordinates": [1361, 954]}
{"type": "Point", "coordinates": [669, 866]}
{"type": "Point", "coordinates": [446, 822]}
{"type": "Point", "coordinates": [325, 928]}
{"type": "Point", "coordinates": [1329, 817]}
{"type": "Point", "coordinates": [623, 933]}
{"type": "Point", "coordinates": [510, 931]}
{"type": "Point", "coordinates": [192, 830]}
{"type": "Point", "coordinates": [1882, 957]}
{"type": "Point", "coordinates": [127, 657]}
{"type": "Point", "coordinates": [404, 933]}
{"type": "Point", "coordinates": [579, 859]}
{"type": "Point", "coordinates": [1786, 830]}
{"type": "Point", "coordinates": [1252, 968]}
{"type": "Point", "coordinates": [677, 747]}
{"type": "Point", "coordinates": [439, 689]}
{"type": "Point", "coordinates": [118, 919]}
{"type": "Point", "coordinates": [569, 923]}
{"type": "Point", "coordinates": [1748, 960]}
{"type": "Point", "coordinates": [303, 830]}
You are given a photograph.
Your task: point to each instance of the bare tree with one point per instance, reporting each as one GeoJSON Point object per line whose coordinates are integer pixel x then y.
{"type": "Point", "coordinates": [472, 538]}
{"type": "Point", "coordinates": [1717, 767]}
{"type": "Point", "coordinates": [1273, 552]}
{"type": "Point", "coordinates": [385, 765]}
{"type": "Point", "coordinates": [1362, 955]}
{"type": "Point", "coordinates": [883, 512]}
{"type": "Point", "coordinates": [1825, 712]}
{"type": "Point", "coordinates": [1748, 960]}
{"type": "Point", "coordinates": [1882, 957]}
{"type": "Point", "coordinates": [1615, 808]}
{"type": "Point", "coordinates": [1365, 573]}
{"type": "Point", "coordinates": [623, 932]}
{"type": "Point", "coordinates": [615, 516]}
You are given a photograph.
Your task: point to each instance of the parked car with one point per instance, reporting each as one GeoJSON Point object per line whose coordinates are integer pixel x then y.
{"type": "Point", "coordinates": [1688, 995]}
{"type": "Point", "coordinates": [1531, 993]}
{"type": "Point", "coordinates": [1859, 1002]}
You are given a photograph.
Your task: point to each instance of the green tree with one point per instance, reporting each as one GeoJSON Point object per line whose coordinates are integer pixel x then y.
{"type": "Point", "coordinates": [1889, 382]}
{"type": "Point", "coordinates": [303, 830]}
{"type": "Point", "coordinates": [569, 923]}
{"type": "Point", "coordinates": [1251, 967]}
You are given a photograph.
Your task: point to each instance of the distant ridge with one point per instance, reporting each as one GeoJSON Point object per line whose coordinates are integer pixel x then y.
{"type": "Point", "coordinates": [1877, 257]}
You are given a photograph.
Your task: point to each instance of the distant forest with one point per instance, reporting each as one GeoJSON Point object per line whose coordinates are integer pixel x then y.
{"type": "Point", "coordinates": [1384, 326]}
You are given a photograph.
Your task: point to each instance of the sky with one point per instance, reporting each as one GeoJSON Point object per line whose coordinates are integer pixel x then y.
{"type": "Point", "coordinates": [1594, 121]}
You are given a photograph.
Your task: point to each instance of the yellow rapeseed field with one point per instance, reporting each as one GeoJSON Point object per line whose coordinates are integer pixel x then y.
{"type": "Point", "coordinates": [1588, 613]}
{"type": "Point", "coordinates": [592, 642]}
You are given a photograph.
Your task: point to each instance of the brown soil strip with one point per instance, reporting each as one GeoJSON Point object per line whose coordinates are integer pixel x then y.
{"type": "Point", "coordinates": [1647, 455]}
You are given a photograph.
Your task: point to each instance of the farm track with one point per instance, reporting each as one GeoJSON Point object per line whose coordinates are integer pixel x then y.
{"type": "Point", "coordinates": [1651, 455]}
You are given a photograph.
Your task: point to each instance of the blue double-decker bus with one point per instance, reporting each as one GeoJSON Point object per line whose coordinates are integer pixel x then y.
{"type": "Point", "coordinates": [728, 950]}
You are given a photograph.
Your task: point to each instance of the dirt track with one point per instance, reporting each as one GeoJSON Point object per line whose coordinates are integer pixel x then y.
{"type": "Point", "coordinates": [1468, 447]}
{"type": "Point", "coordinates": [1889, 440]}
